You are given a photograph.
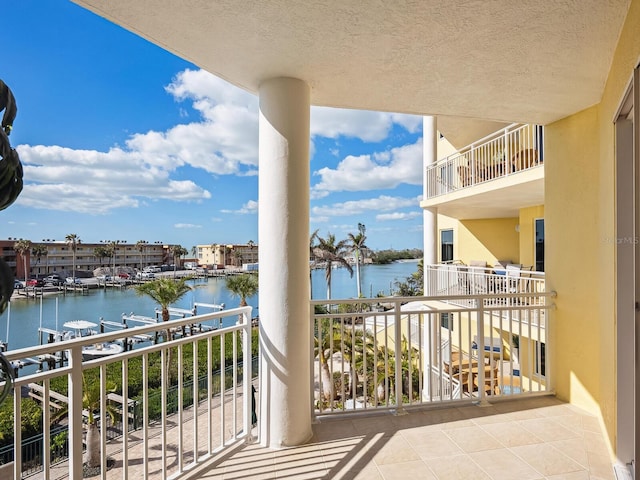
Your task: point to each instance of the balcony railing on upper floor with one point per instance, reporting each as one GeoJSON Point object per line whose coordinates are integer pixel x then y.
{"type": "Point", "coordinates": [506, 152]}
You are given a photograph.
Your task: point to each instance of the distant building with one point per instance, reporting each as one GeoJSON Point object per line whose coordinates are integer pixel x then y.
{"type": "Point", "coordinates": [227, 255]}
{"type": "Point", "coordinates": [59, 257]}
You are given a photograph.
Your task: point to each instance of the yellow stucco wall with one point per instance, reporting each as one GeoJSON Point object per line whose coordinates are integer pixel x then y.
{"type": "Point", "coordinates": [527, 220]}
{"type": "Point", "coordinates": [572, 168]}
{"type": "Point", "coordinates": [490, 239]}
{"type": "Point", "coordinates": [580, 215]}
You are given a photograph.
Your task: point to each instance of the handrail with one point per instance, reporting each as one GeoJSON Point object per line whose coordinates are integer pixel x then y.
{"type": "Point", "coordinates": [380, 354]}
{"type": "Point", "coordinates": [510, 150]}
{"type": "Point", "coordinates": [239, 397]}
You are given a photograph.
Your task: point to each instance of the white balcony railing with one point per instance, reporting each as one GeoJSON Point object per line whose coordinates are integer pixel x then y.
{"type": "Point", "coordinates": [425, 351]}
{"type": "Point", "coordinates": [416, 351]}
{"type": "Point", "coordinates": [150, 390]}
{"type": "Point", "coordinates": [505, 152]}
{"type": "Point", "coordinates": [523, 285]}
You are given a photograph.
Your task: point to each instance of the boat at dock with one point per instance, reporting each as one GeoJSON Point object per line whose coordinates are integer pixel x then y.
{"type": "Point", "coordinates": [80, 329]}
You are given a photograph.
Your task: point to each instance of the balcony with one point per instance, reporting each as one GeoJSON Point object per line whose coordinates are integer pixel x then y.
{"type": "Point", "coordinates": [407, 377]}
{"type": "Point", "coordinates": [492, 177]}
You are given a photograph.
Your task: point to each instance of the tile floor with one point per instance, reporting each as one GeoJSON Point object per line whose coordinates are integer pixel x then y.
{"type": "Point", "coordinates": [527, 439]}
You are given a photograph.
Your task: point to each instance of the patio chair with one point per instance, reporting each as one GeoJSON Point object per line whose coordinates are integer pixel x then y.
{"type": "Point", "coordinates": [491, 384]}
{"type": "Point", "coordinates": [524, 159]}
{"type": "Point", "coordinates": [478, 277]}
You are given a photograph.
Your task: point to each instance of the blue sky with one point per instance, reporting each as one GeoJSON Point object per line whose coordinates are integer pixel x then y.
{"type": "Point", "coordinates": [121, 140]}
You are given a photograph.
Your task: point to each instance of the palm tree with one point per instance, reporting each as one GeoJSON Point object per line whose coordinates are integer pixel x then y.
{"type": "Point", "coordinates": [226, 250]}
{"type": "Point", "coordinates": [237, 258]}
{"type": "Point", "coordinates": [22, 247]}
{"type": "Point", "coordinates": [357, 245]}
{"type": "Point", "coordinates": [112, 246]}
{"type": "Point", "coordinates": [38, 251]}
{"type": "Point", "coordinates": [330, 252]}
{"type": "Point", "coordinates": [243, 286]}
{"type": "Point", "coordinates": [73, 241]}
{"type": "Point", "coordinates": [215, 256]}
{"type": "Point", "coordinates": [177, 251]}
{"type": "Point", "coordinates": [141, 245]}
{"type": "Point", "coordinates": [165, 291]}
{"type": "Point", "coordinates": [91, 403]}
{"type": "Point", "coordinates": [101, 252]}
{"type": "Point", "coordinates": [326, 341]}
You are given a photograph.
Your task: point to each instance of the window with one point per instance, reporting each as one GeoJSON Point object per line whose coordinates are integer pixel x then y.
{"type": "Point", "coordinates": [540, 357]}
{"type": "Point", "coordinates": [446, 320]}
{"type": "Point", "coordinates": [446, 246]}
{"type": "Point", "coordinates": [539, 247]}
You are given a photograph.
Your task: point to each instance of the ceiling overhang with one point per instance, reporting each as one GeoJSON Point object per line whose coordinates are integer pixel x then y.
{"type": "Point", "coordinates": [496, 60]}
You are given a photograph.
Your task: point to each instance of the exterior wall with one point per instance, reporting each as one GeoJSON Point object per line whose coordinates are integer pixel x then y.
{"type": "Point", "coordinates": [235, 255]}
{"type": "Point", "coordinates": [579, 216]}
{"type": "Point", "coordinates": [490, 239]}
{"type": "Point", "coordinates": [573, 268]}
{"type": "Point", "coordinates": [527, 222]}
{"type": "Point", "coordinates": [59, 258]}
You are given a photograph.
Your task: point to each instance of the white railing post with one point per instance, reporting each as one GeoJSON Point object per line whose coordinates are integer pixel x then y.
{"type": "Point", "coordinates": [247, 408]}
{"type": "Point", "coordinates": [480, 329]}
{"type": "Point", "coordinates": [472, 165]}
{"type": "Point", "coordinates": [75, 412]}
{"type": "Point", "coordinates": [507, 153]}
{"type": "Point", "coordinates": [398, 360]}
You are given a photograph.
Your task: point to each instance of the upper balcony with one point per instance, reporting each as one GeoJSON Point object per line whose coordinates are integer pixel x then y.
{"type": "Point", "coordinates": [491, 178]}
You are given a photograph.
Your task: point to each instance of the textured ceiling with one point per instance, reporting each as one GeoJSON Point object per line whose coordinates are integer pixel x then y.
{"type": "Point", "coordinates": [501, 60]}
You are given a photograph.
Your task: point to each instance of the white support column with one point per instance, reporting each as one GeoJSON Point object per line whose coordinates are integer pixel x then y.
{"type": "Point", "coordinates": [429, 157]}
{"type": "Point", "coordinates": [285, 369]}
{"type": "Point", "coordinates": [430, 238]}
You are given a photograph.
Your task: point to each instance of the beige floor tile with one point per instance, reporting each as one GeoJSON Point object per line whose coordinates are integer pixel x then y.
{"type": "Point", "coordinates": [332, 430]}
{"type": "Point", "coordinates": [548, 429]}
{"type": "Point", "coordinates": [503, 465]}
{"type": "Point", "coordinates": [600, 466]}
{"type": "Point", "coordinates": [374, 424]}
{"type": "Point", "coordinates": [574, 448]}
{"type": "Point", "coordinates": [437, 444]}
{"type": "Point", "coordinates": [511, 434]}
{"type": "Point", "coordinates": [472, 439]}
{"type": "Point", "coordinates": [547, 459]}
{"type": "Point", "coordinates": [370, 472]}
{"type": "Point", "coordinates": [423, 444]}
{"type": "Point", "coordinates": [395, 450]}
{"type": "Point", "coordinates": [456, 467]}
{"type": "Point", "coordinates": [583, 475]}
{"type": "Point", "coordinates": [415, 470]}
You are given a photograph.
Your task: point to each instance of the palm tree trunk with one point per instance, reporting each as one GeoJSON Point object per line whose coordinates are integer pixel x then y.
{"type": "Point", "coordinates": [358, 273]}
{"type": "Point", "coordinates": [326, 382]}
{"type": "Point", "coordinates": [92, 456]}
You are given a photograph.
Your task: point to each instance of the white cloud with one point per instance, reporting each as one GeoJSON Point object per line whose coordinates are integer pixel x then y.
{"type": "Point", "coordinates": [383, 203]}
{"type": "Point", "coordinates": [397, 216]}
{"type": "Point", "coordinates": [365, 125]}
{"type": "Point", "coordinates": [222, 141]}
{"type": "Point", "coordinates": [250, 207]}
{"type": "Point", "coordinates": [88, 181]}
{"type": "Point", "coordinates": [383, 170]}
{"type": "Point", "coordinates": [186, 225]}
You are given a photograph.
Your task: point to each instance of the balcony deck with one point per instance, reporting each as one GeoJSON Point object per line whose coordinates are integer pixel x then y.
{"type": "Point", "coordinates": [534, 438]}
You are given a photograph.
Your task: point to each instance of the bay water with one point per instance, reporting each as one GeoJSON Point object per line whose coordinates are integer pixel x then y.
{"type": "Point", "coordinates": [19, 326]}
